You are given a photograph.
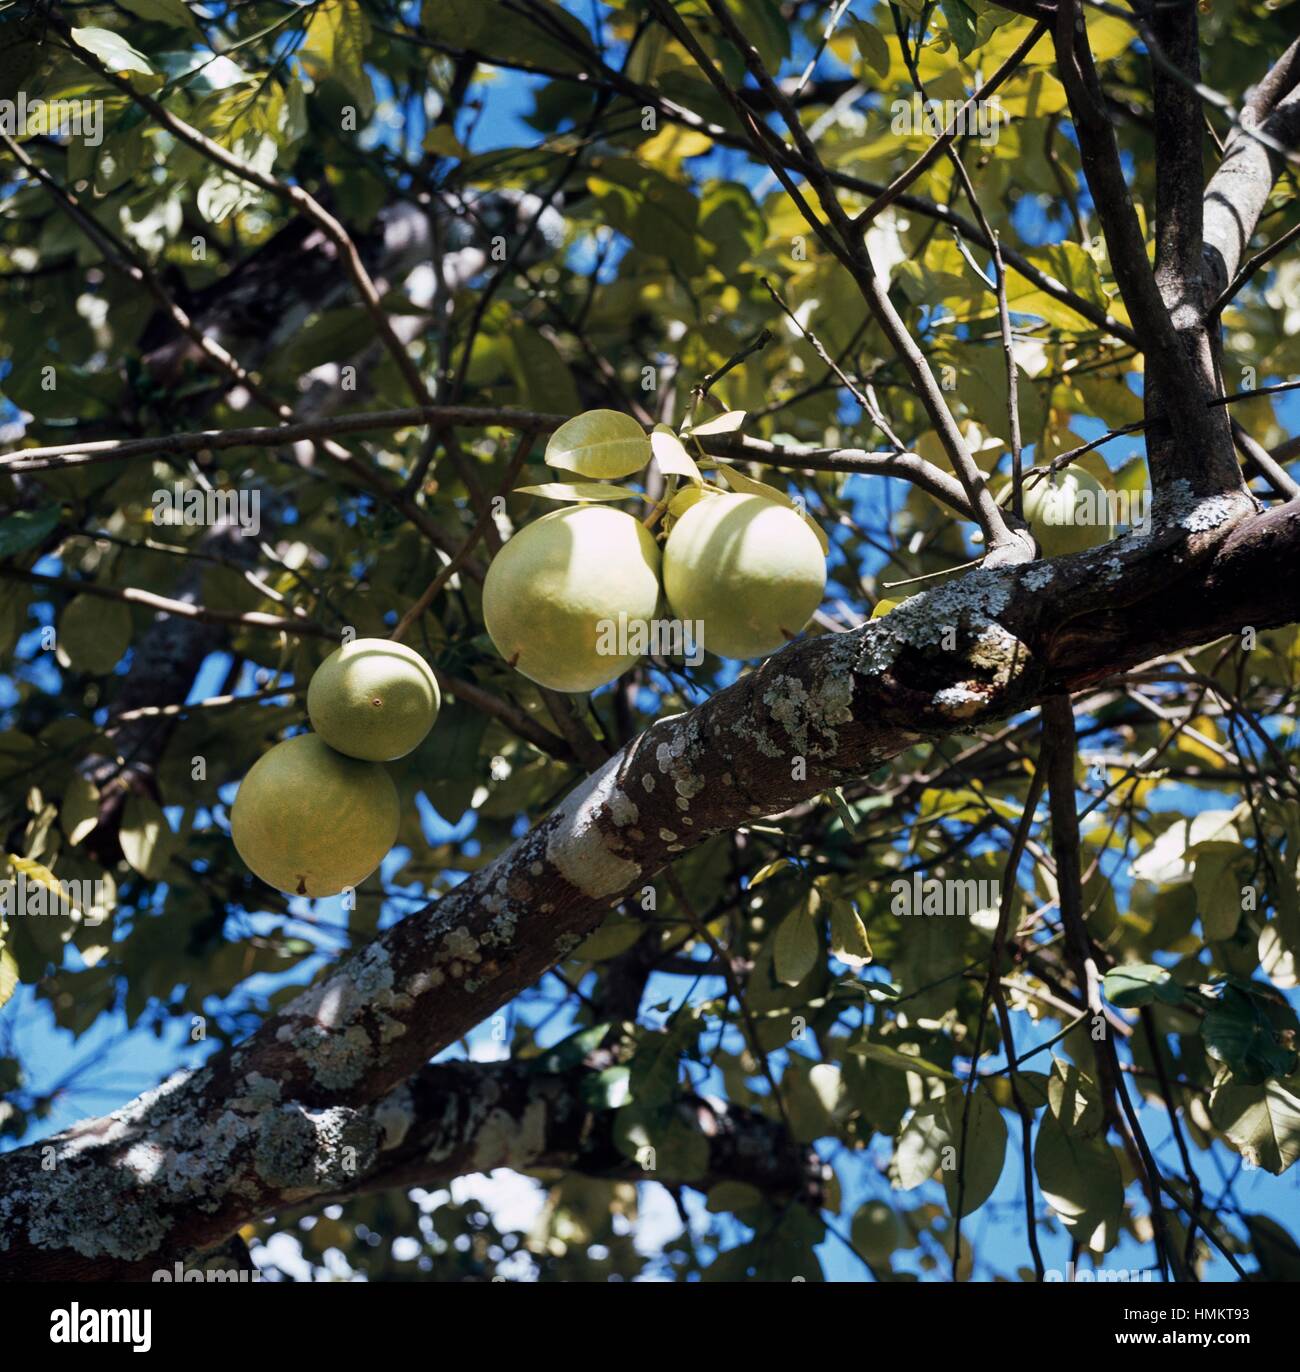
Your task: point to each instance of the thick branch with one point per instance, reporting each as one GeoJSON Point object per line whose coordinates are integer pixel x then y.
{"type": "Point", "coordinates": [1180, 180]}
{"type": "Point", "coordinates": [1239, 190]}
{"type": "Point", "coordinates": [171, 1175]}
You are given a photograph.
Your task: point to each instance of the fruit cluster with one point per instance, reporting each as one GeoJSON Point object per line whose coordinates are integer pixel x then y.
{"type": "Point", "coordinates": [318, 812]}
{"type": "Point", "coordinates": [743, 568]}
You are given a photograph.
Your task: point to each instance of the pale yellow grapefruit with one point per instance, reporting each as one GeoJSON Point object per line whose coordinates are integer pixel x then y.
{"type": "Point", "coordinates": [310, 821]}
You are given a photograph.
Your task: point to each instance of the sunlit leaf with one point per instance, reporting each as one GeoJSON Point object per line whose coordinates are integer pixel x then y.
{"type": "Point", "coordinates": [600, 444]}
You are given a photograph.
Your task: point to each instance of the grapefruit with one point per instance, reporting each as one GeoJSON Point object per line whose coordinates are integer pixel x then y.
{"type": "Point", "coordinates": [558, 591]}
{"type": "Point", "coordinates": [750, 570]}
{"type": "Point", "coordinates": [1069, 513]}
{"type": "Point", "coordinates": [310, 821]}
{"type": "Point", "coordinates": [373, 699]}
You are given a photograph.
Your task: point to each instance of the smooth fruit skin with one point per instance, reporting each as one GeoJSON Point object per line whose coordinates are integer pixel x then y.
{"type": "Point", "coordinates": [558, 582]}
{"type": "Point", "coordinates": [309, 821]}
{"type": "Point", "coordinates": [750, 569]}
{"type": "Point", "coordinates": [373, 699]}
{"type": "Point", "coordinates": [1051, 511]}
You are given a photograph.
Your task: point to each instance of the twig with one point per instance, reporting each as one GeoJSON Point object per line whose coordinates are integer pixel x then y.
{"type": "Point", "coordinates": [459, 558]}
{"type": "Point", "coordinates": [945, 140]}
{"type": "Point", "coordinates": [733, 989]}
{"type": "Point", "coordinates": [182, 609]}
{"type": "Point", "coordinates": [1010, 889]}
{"type": "Point", "coordinates": [756, 344]}
{"type": "Point", "coordinates": [1253, 265]}
{"type": "Point", "coordinates": [1058, 760]}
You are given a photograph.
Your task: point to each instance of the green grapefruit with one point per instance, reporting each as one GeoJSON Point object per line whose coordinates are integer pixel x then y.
{"type": "Point", "coordinates": [555, 592]}
{"type": "Point", "coordinates": [310, 821]}
{"type": "Point", "coordinates": [373, 699]}
{"type": "Point", "coordinates": [1069, 513]}
{"type": "Point", "coordinates": [749, 569]}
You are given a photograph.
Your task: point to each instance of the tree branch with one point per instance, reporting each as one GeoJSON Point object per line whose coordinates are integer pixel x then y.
{"type": "Point", "coordinates": [137, 1172]}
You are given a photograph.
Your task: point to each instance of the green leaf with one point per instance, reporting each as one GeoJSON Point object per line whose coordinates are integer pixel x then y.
{"type": "Point", "coordinates": [541, 374]}
{"type": "Point", "coordinates": [1277, 956]}
{"type": "Point", "coordinates": [546, 36]}
{"type": "Point", "coordinates": [462, 22]}
{"type": "Point", "coordinates": [1262, 1119]}
{"type": "Point", "coordinates": [766, 28]}
{"type": "Point", "coordinates": [810, 1094]}
{"type": "Point", "coordinates": [1073, 267]}
{"type": "Point", "coordinates": [147, 840]}
{"type": "Point", "coordinates": [602, 444]}
{"type": "Point", "coordinates": [1239, 1033]}
{"type": "Point", "coordinates": [594, 490]}
{"type": "Point", "coordinates": [1217, 883]}
{"type": "Point", "coordinates": [961, 24]}
{"type": "Point", "coordinates": [8, 974]}
{"type": "Point", "coordinates": [337, 32]}
{"type": "Point", "coordinates": [441, 140]}
{"type": "Point", "coordinates": [671, 456]}
{"type": "Point", "coordinates": [732, 1197]}
{"type": "Point", "coordinates": [985, 1152]}
{"type": "Point", "coordinates": [731, 224]}
{"type": "Point", "coordinates": [1032, 1087]}
{"type": "Point", "coordinates": [728, 423]}
{"type": "Point", "coordinates": [613, 937]}
{"type": "Point", "coordinates": [80, 811]}
{"type": "Point", "coordinates": [1213, 831]}
{"type": "Point", "coordinates": [93, 634]}
{"type": "Point", "coordinates": [844, 810]}
{"type": "Point", "coordinates": [878, 1231]}
{"type": "Point", "coordinates": [655, 1066]}
{"type": "Point", "coordinates": [658, 213]}
{"type": "Point", "coordinates": [1074, 1099]}
{"type": "Point", "coordinates": [36, 872]}
{"type": "Point", "coordinates": [173, 12]}
{"type": "Point", "coordinates": [780, 1253]}
{"type": "Point", "coordinates": [1138, 984]}
{"type": "Point", "coordinates": [797, 947]}
{"type": "Point", "coordinates": [881, 1096]}
{"type": "Point", "coordinates": [1079, 1176]}
{"type": "Point", "coordinates": [919, 1151]}
{"type": "Point", "coordinates": [767, 870]}
{"type": "Point", "coordinates": [849, 935]}
{"type": "Point", "coordinates": [25, 528]}
{"type": "Point", "coordinates": [891, 1057]}
{"type": "Point", "coordinates": [1165, 861]}
{"type": "Point", "coordinates": [931, 1140]}
{"type": "Point", "coordinates": [681, 1150]}
{"type": "Point", "coordinates": [1277, 1251]}
{"type": "Point", "coordinates": [607, 1090]}
{"type": "Point", "coordinates": [112, 50]}
{"type": "Point", "coordinates": [872, 46]}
